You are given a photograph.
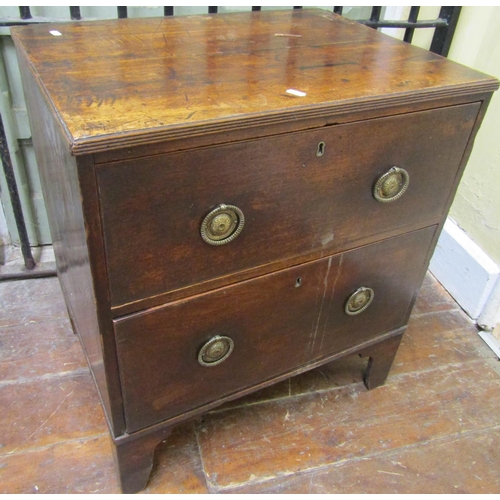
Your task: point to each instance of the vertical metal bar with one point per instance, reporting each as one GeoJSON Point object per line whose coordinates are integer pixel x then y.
{"type": "Point", "coordinates": [256, 9]}
{"type": "Point", "coordinates": [122, 12]}
{"type": "Point", "coordinates": [24, 12]}
{"type": "Point", "coordinates": [375, 17]}
{"type": "Point", "coordinates": [338, 10]}
{"type": "Point", "coordinates": [411, 18]}
{"type": "Point", "coordinates": [442, 38]}
{"type": "Point", "coordinates": [213, 10]}
{"type": "Point", "coordinates": [75, 13]}
{"type": "Point", "coordinates": [168, 11]}
{"type": "Point", "coordinates": [29, 262]}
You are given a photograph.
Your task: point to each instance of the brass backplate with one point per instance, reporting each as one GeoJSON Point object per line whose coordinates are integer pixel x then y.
{"type": "Point", "coordinates": [359, 301]}
{"type": "Point", "coordinates": [215, 351]}
{"type": "Point", "coordinates": [392, 185]}
{"type": "Point", "coordinates": [222, 225]}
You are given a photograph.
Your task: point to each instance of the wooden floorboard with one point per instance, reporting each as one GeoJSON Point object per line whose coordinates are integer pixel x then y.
{"type": "Point", "coordinates": [431, 429]}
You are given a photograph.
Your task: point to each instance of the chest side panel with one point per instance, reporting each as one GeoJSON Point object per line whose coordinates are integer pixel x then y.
{"type": "Point", "coordinates": [71, 235]}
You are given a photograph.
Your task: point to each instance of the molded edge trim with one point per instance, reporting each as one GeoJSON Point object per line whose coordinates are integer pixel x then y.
{"type": "Point", "coordinates": [109, 142]}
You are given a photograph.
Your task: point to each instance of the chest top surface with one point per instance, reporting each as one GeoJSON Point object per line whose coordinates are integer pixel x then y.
{"type": "Point", "coordinates": [113, 82]}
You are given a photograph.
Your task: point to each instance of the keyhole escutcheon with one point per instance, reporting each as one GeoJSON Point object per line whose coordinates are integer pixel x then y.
{"type": "Point", "coordinates": [321, 149]}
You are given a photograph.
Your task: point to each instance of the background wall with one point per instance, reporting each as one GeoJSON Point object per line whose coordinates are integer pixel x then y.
{"type": "Point", "coordinates": [4, 235]}
{"type": "Point", "coordinates": [476, 208]}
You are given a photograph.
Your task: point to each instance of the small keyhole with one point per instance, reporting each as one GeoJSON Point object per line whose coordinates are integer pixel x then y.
{"type": "Point", "coordinates": [321, 149]}
{"type": "Point", "coordinates": [298, 282]}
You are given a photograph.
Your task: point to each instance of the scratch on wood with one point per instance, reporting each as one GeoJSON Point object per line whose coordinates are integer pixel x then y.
{"type": "Point", "coordinates": [45, 421]}
{"type": "Point", "coordinates": [190, 115]}
{"type": "Point", "coordinates": [325, 283]}
{"type": "Point", "coordinates": [392, 473]}
{"type": "Point", "coordinates": [47, 376]}
{"type": "Point", "coordinates": [398, 463]}
{"type": "Point", "coordinates": [158, 27]}
{"type": "Point", "coordinates": [329, 65]}
{"type": "Point", "coordinates": [339, 268]}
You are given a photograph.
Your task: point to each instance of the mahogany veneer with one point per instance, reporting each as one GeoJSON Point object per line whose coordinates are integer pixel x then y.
{"type": "Point", "coordinates": [143, 126]}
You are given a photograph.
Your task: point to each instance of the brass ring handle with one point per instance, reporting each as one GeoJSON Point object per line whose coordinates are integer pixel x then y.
{"type": "Point", "coordinates": [222, 225]}
{"type": "Point", "coordinates": [359, 301]}
{"type": "Point", "coordinates": [215, 351]}
{"type": "Point", "coordinates": [392, 185]}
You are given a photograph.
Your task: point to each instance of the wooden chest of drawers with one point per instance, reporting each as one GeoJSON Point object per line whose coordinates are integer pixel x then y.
{"type": "Point", "coordinates": [235, 199]}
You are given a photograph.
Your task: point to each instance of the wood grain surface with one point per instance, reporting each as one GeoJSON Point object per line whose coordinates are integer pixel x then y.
{"type": "Point", "coordinates": [75, 234]}
{"type": "Point", "coordinates": [276, 327]}
{"type": "Point", "coordinates": [138, 81]}
{"type": "Point", "coordinates": [126, 234]}
{"type": "Point", "coordinates": [295, 203]}
{"type": "Point", "coordinates": [343, 426]}
{"type": "Point", "coordinates": [446, 441]}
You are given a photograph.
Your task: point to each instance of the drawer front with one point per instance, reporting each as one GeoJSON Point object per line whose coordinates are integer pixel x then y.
{"type": "Point", "coordinates": [295, 203]}
{"type": "Point", "coordinates": [276, 323]}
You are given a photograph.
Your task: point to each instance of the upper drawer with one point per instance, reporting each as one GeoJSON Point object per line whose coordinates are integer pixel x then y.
{"type": "Point", "coordinates": [295, 203]}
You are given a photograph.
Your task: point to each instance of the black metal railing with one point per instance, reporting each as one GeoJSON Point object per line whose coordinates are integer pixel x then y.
{"type": "Point", "coordinates": [444, 26]}
{"type": "Point", "coordinates": [15, 201]}
{"type": "Point", "coordinates": [75, 13]}
{"type": "Point", "coordinates": [444, 29]}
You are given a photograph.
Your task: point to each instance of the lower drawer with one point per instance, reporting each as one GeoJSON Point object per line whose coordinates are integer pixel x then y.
{"type": "Point", "coordinates": [264, 327]}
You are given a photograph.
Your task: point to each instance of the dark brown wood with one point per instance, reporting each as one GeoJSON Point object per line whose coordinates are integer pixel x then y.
{"type": "Point", "coordinates": [134, 459]}
{"type": "Point", "coordinates": [393, 269]}
{"type": "Point", "coordinates": [285, 127]}
{"type": "Point", "coordinates": [275, 325]}
{"type": "Point", "coordinates": [170, 62]}
{"type": "Point", "coordinates": [97, 260]}
{"type": "Point", "coordinates": [326, 202]}
{"type": "Point", "coordinates": [170, 117]}
{"type": "Point", "coordinates": [72, 237]}
{"type": "Point", "coordinates": [381, 357]}
{"type": "Point", "coordinates": [201, 410]}
{"type": "Point", "coordinates": [265, 317]}
{"type": "Point", "coordinates": [203, 287]}
{"type": "Point", "coordinates": [454, 186]}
